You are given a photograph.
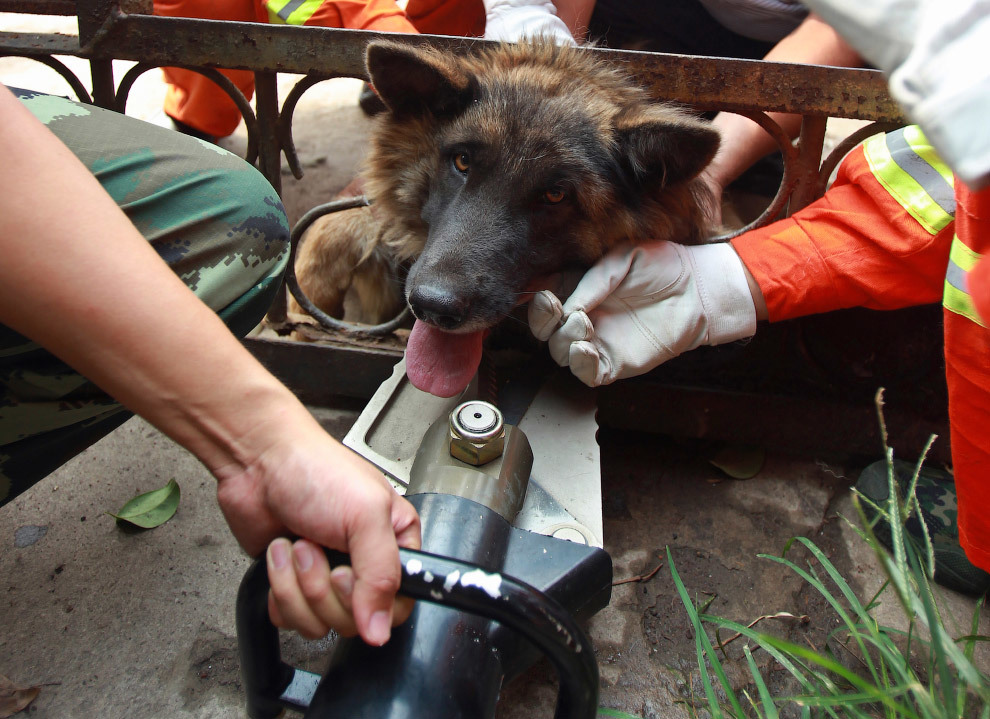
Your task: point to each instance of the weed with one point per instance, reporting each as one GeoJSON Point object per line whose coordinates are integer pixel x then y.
{"type": "Point", "coordinates": [921, 672]}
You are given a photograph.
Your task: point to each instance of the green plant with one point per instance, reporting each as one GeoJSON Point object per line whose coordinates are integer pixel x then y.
{"type": "Point", "coordinates": [918, 673]}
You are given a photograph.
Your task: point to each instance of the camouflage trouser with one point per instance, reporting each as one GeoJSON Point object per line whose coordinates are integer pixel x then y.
{"type": "Point", "coordinates": [212, 217]}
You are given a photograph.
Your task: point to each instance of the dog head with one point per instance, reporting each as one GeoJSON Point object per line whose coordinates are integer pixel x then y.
{"type": "Point", "coordinates": [518, 161]}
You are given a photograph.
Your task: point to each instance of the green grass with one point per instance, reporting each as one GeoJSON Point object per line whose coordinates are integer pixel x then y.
{"type": "Point", "coordinates": [921, 672]}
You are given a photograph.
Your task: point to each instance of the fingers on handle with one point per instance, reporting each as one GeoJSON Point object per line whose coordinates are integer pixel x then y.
{"type": "Point", "coordinates": [301, 596]}
{"type": "Point", "coordinates": [405, 524]}
{"type": "Point", "coordinates": [375, 559]}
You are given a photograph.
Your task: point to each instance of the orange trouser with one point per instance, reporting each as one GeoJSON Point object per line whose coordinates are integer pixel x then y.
{"type": "Point", "coordinates": [857, 247]}
{"type": "Point", "coordinates": [200, 103]}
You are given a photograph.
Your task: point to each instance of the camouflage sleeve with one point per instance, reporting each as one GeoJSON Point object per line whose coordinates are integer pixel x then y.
{"type": "Point", "coordinates": [212, 217]}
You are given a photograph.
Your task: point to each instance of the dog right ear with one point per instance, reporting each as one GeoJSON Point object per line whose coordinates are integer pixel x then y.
{"type": "Point", "coordinates": [417, 80]}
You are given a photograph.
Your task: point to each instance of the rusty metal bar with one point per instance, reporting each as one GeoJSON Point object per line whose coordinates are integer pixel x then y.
{"type": "Point", "coordinates": [704, 82]}
{"type": "Point", "coordinates": [269, 146]}
{"type": "Point", "coordinates": [805, 425]}
{"type": "Point", "coordinates": [319, 373]}
{"type": "Point", "coordinates": [104, 93]}
{"type": "Point", "coordinates": [810, 143]}
{"type": "Point", "coordinates": [39, 7]}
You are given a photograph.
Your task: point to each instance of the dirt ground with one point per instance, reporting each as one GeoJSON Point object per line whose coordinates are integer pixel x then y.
{"type": "Point", "coordinates": [141, 626]}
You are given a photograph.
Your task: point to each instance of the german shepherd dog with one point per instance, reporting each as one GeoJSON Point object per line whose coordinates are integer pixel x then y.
{"type": "Point", "coordinates": [491, 170]}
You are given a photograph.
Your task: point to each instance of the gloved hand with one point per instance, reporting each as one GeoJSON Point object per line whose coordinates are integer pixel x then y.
{"type": "Point", "coordinates": [512, 20]}
{"type": "Point", "coordinates": [641, 306]}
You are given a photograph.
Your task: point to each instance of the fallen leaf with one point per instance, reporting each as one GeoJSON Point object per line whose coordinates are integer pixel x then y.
{"type": "Point", "coordinates": [13, 698]}
{"type": "Point", "coordinates": [740, 462]}
{"type": "Point", "coordinates": [151, 509]}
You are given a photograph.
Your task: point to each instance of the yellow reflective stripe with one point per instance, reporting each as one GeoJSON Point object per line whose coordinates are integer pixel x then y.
{"type": "Point", "coordinates": [961, 304]}
{"type": "Point", "coordinates": [931, 204]}
{"type": "Point", "coordinates": [956, 297]}
{"type": "Point", "coordinates": [915, 137]}
{"type": "Point", "coordinates": [292, 12]}
{"type": "Point", "coordinates": [962, 256]}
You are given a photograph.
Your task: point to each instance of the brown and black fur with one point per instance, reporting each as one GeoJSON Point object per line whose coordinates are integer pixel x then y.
{"type": "Point", "coordinates": [468, 165]}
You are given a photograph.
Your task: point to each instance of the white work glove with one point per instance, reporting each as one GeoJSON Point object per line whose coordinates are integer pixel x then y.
{"type": "Point", "coordinates": [935, 57]}
{"type": "Point", "coordinates": [513, 20]}
{"type": "Point", "coordinates": [641, 306]}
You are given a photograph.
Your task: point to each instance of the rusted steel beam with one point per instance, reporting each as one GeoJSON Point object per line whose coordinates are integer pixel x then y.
{"type": "Point", "coordinates": [704, 82]}
{"type": "Point", "coordinates": [39, 7]}
{"type": "Point", "coordinates": [36, 44]}
{"type": "Point", "coordinates": [790, 424]}
{"type": "Point", "coordinates": [318, 373]}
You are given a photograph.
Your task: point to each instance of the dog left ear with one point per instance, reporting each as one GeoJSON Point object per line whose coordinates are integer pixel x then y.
{"type": "Point", "coordinates": [412, 80]}
{"type": "Point", "coordinates": [665, 145]}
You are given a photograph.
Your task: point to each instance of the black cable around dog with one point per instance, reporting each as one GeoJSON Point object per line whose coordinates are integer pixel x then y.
{"type": "Point", "coordinates": [293, 284]}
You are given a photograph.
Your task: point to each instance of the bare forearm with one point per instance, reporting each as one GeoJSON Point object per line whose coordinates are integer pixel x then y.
{"type": "Point", "coordinates": [576, 14]}
{"type": "Point", "coordinates": [744, 141]}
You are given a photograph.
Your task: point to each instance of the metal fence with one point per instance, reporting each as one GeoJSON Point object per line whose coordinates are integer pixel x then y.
{"type": "Point", "coordinates": [126, 30]}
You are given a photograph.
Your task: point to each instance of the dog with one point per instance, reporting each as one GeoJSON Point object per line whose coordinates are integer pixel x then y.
{"type": "Point", "coordinates": [489, 170]}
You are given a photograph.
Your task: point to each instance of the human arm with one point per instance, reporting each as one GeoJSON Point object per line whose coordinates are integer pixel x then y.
{"type": "Point", "coordinates": [854, 247]}
{"type": "Point", "coordinates": [79, 279]}
{"type": "Point", "coordinates": [576, 15]}
{"type": "Point", "coordinates": [639, 307]}
{"type": "Point", "coordinates": [934, 55]}
{"type": "Point", "coordinates": [744, 141]}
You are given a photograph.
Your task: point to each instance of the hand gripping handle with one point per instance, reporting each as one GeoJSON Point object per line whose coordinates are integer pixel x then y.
{"type": "Point", "coordinates": [440, 580]}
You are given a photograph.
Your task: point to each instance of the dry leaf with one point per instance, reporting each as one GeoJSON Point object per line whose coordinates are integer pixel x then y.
{"type": "Point", "coordinates": [13, 698]}
{"type": "Point", "coordinates": [740, 462]}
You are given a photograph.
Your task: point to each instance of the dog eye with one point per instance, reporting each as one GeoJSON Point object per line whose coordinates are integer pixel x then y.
{"type": "Point", "coordinates": [554, 195]}
{"type": "Point", "coordinates": [462, 162]}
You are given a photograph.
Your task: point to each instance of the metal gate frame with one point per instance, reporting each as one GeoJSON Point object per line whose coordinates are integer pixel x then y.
{"type": "Point", "coordinates": [126, 30]}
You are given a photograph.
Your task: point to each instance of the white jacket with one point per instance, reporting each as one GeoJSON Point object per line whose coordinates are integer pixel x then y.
{"type": "Point", "coordinates": [936, 54]}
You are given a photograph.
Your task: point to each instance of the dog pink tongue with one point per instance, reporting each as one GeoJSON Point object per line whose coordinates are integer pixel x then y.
{"type": "Point", "coordinates": [439, 362]}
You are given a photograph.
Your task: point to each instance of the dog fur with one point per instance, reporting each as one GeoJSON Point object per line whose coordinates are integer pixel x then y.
{"type": "Point", "coordinates": [494, 168]}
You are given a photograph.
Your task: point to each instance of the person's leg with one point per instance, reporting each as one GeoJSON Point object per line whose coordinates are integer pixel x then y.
{"type": "Point", "coordinates": [936, 493]}
{"type": "Point", "coordinates": [212, 217]}
{"type": "Point", "coordinates": [192, 99]}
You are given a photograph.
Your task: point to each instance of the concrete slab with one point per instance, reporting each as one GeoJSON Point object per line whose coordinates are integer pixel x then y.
{"type": "Point", "coordinates": [140, 625]}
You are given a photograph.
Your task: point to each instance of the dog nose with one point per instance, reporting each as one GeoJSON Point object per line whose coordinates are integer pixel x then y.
{"type": "Point", "coordinates": [438, 307]}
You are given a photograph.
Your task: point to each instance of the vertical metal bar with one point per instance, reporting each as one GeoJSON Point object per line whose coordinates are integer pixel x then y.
{"type": "Point", "coordinates": [269, 145]}
{"type": "Point", "coordinates": [810, 143]}
{"type": "Point", "coordinates": [270, 157]}
{"type": "Point", "coordinates": [101, 72]}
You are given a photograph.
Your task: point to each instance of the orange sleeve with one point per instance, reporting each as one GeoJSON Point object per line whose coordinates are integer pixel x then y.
{"type": "Point", "coordinates": [854, 247]}
{"type": "Point", "coordinates": [465, 18]}
{"type": "Point", "coordinates": [380, 15]}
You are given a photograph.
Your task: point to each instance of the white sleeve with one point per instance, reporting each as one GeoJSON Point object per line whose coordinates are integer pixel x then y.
{"type": "Point", "coordinates": [512, 20]}
{"type": "Point", "coordinates": [935, 54]}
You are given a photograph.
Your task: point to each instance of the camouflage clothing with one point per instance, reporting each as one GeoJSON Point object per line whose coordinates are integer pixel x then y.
{"type": "Point", "coordinates": [936, 495]}
{"type": "Point", "coordinates": [212, 217]}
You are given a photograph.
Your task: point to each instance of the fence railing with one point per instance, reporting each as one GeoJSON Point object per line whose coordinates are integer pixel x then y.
{"type": "Point", "coordinates": [111, 30]}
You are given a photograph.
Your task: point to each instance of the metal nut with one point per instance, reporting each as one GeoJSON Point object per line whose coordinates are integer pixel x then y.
{"type": "Point", "coordinates": [477, 433]}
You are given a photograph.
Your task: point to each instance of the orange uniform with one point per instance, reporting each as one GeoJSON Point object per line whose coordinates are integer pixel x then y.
{"type": "Point", "coordinates": [895, 230]}
{"type": "Point", "coordinates": [198, 102]}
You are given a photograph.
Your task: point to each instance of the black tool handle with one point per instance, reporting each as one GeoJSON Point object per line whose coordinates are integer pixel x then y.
{"type": "Point", "coordinates": [440, 580]}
